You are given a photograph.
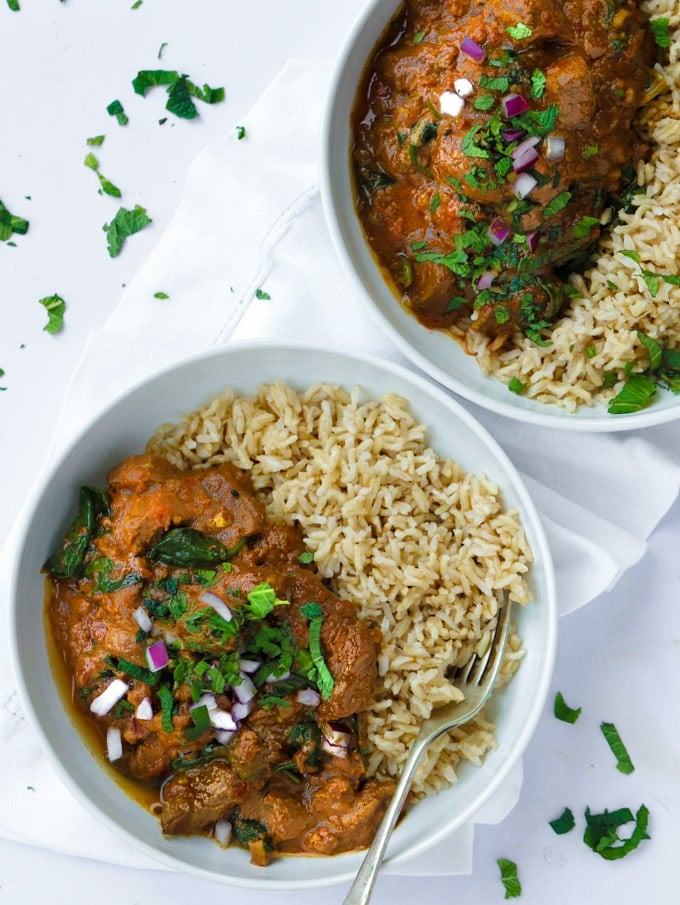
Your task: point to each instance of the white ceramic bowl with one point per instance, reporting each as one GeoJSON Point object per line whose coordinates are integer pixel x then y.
{"type": "Point", "coordinates": [123, 428]}
{"type": "Point", "coordinates": [433, 351]}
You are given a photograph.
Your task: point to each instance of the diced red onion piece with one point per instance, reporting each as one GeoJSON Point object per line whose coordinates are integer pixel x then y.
{"type": "Point", "coordinates": [451, 104]}
{"type": "Point", "coordinates": [524, 185]}
{"type": "Point", "coordinates": [240, 711]}
{"type": "Point", "coordinates": [206, 700]}
{"type": "Point", "coordinates": [142, 619]}
{"type": "Point", "coordinates": [114, 743]}
{"type": "Point", "coordinates": [513, 105]}
{"type": "Point", "coordinates": [528, 159]}
{"type": "Point", "coordinates": [472, 49]}
{"type": "Point", "coordinates": [249, 666]}
{"type": "Point", "coordinates": [210, 599]}
{"type": "Point", "coordinates": [486, 279]}
{"type": "Point", "coordinates": [498, 232]}
{"type": "Point", "coordinates": [114, 692]}
{"type": "Point", "coordinates": [554, 147]}
{"type": "Point", "coordinates": [463, 87]}
{"type": "Point", "coordinates": [510, 135]}
{"type": "Point", "coordinates": [220, 719]}
{"type": "Point", "coordinates": [532, 241]}
{"type": "Point", "coordinates": [245, 691]}
{"type": "Point", "coordinates": [222, 833]}
{"type": "Point", "coordinates": [144, 709]}
{"type": "Point", "coordinates": [224, 736]}
{"type": "Point", "coordinates": [310, 697]}
{"type": "Point", "coordinates": [524, 146]}
{"type": "Point", "coordinates": [157, 656]}
{"type": "Point", "coordinates": [335, 741]}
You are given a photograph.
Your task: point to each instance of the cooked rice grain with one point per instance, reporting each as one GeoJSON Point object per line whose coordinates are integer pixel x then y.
{"type": "Point", "coordinates": [424, 549]}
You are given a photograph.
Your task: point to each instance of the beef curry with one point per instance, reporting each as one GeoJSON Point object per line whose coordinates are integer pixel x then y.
{"type": "Point", "coordinates": [216, 664]}
{"type": "Point", "coordinates": [490, 139]}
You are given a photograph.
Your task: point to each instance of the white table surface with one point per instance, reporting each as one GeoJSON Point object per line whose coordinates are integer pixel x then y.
{"type": "Point", "coordinates": [62, 63]}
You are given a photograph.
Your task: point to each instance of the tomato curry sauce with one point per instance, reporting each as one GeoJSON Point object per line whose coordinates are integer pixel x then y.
{"type": "Point", "coordinates": [214, 662]}
{"type": "Point", "coordinates": [490, 139]}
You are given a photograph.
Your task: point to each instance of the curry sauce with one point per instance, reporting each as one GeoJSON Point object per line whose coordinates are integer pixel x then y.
{"type": "Point", "coordinates": [213, 667]}
{"type": "Point", "coordinates": [492, 140]}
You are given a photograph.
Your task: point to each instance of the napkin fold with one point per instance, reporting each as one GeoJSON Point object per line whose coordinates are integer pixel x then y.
{"type": "Point", "coordinates": [251, 219]}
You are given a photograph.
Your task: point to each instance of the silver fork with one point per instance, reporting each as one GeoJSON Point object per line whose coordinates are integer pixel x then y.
{"type": "Point", "coordinates": [476, 680]}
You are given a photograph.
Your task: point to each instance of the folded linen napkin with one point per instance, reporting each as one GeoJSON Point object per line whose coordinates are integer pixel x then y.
{"type": "Point", "coordinates": [251, 219]}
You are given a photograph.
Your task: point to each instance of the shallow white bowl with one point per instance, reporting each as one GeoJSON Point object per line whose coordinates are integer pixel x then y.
{"type": "Point", "coordinates": [433, 351]}
{"type": "Point", "coordinates": [123, 428]}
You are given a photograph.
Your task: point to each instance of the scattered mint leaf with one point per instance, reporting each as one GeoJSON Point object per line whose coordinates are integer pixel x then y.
{"type": "Point", "coordinates": [137, 4]}
{"type": "Point", "coordinates": [654, 351]}
{"type": "Point", "coordinates": [161, 49]}
{"type": "Point", "coordinates": [584, 226]}
{"type": "Point", "coordinates": [613, 739]}
{"type": "Point", "coordinates": [516, 386]}
{"type": "Point", "coordinates": [509, 878]}
{"type": "Point", "coordinates": [115, 108]}
{"type": "Point", "coordinates": [306, 557]}
{"type": "Point", "coordinates": [96, 140]}
{"type": "Point", "coordinates": [661, 31]}
{"type": "Point", "coordinates": [240, 132]}
{"type": "Point", "coordinates": [55, 307]}
{"type": "Point", "coordinates": [590, 151]}
{"type": "Point", "coordinates": [124, 224]}
{"type": "Point", "coordinates": [261, 294]}
{"type": "Point", "coordinates": [484, 102]}
{"type": "Point", "coordinates": [633, 255]}
{"type": "Point", "coordinates": [14, 5]}
{"type": "Point", "coordinates": [563, 712]}
{"type": "Point", "coordinates": [636, 394]}
{"type": "Point", "coordinates": [323, 678]}
{"type": "Point", "coordinates": [418, 37]}
{"type": "Point", "coordinates": [564, 823]}
{"type": "Point", "coordinates": [557, 204]}
{"type": "Point", "coordinates": [520, 31]}
{"type": "Point", "coordinates": [2, 374]}
{"type": "Point", "coordinates": [106, 185]}
{"type": "Point", "coordinates": [180, 91]}
{"type": "Point", "coordinates": [161, 295]}
{"type": "Point", "coordinates": [538, 83]}
{"type": "Point", "coordinates": [601, 833]}
{"type": "Point", "coordinates": [10, 224]}
{"type": "Point", "coordinates": [167, 705]}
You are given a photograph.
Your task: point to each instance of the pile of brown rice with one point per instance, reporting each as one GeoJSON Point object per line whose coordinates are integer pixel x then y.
{"type": "Point", "coordinates": [598, 332]}
{"type": "Point", "coordinates": [424, 549]}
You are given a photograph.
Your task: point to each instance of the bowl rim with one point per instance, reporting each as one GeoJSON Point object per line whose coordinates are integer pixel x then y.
{"type": "Point", "coordinates": [516, 407]}
{"type": "Point", "coordinates": [530, 516]}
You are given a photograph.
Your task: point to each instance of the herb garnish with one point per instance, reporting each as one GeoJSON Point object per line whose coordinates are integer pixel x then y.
{"type": "Point", "coordinates": [661, 30]}
{"type": "Point", "coordinates": [640, 388]}
{"type": "Point", "coordinates": [623, 761]}
{"type": "Point", "coordinates": [323, 678]}
{"type": "Point", "coordinates": [240, 132]}
{"type": "Point", "coordinates": [124, 224]}
{"type": "Point", "coordinates": [563, 712]}
{"type": "Point", "coordinates": [261, 294]}
{"type": "Point", "coordinates": [557, 204]}
{"type": "Point", "coordinates": [10, 224]}
{"type": "Point", "coordinates": [106, 185]}
{"type": "Point", "coordinates": [55, 307]}
{"type": "Point", "coordinates": [167, 707]}
{"type": "Point", "coordinates": [601, 832]}
{"type": "Point", "coordinates": [509, 877]}
{"type": "Point", "coordinates": [180, 89]}
{"type": "Point", "coordinates": [564, 823]}
{"type": "Point", "coordinates": [519, 31]}
{"type": "Point", "coordinates": [516, 386]}
{"type": "Point", "coordinates": [115, 108]}
{"type": "Point", "coordinates": [67, 561]}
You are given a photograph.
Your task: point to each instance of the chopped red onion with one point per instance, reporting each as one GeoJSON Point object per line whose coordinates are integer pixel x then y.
{"type": "Point", "coordinates": [510, 135]}
{"type": "Point", "coordinates": [472, 49]}
{"type": "Point", "coordinates": [240, 711]}
{"type": "Point", "coordinates": [528, 159]}
{"type": "Point", "coordinates": [157, 656]}
{"type": "Point", "coordinates": [485, 280]}
{"type": "Point", "coordinates": [513, 105]}
{"type": "Point", "coordinates": [220, 719]}
{"type": "Point", "coordinates": [310, 697]}
{"type": "Point", "coordinates": [114, 692]}
{"type": "Point", "coordinates": [114, 743]}
{"type": "Point", "coordinates": [554, 147]}
{"type": "Point", "coordinates": [142, 619]}
{"type": "Point", "coordinates": [245, 691]}
{"type": "Point", "coordinates": [249, 666]}
{"type": "Point", "coordinates": [532, 241]}
{"type": "Point", "coordinates": [224, 736]}
{"type": "Point", "coordinates": [525, 146]}
{"type": "Point", "coordinates": [463, 87]}
{"type": "Point", "coordinates": [210, 599]}
{"type": "Point", "coordinates": [451, 104]}
{"type": "Point", "coordinates": [524, 185]}
{"type": "Point", "coordinates": [335, 741]}
{"type": "Point", "coordinates": [206, 700]}
{"type": "Point", "coordinates": [144, 710]}
{"type": "Point", "coordinates": [222, 833]}
{"type": "Point", "coordinates": [498, 232]}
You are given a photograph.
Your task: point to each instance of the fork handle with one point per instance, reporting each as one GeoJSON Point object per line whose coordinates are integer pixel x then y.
{"type": "Point", "coordinates": [361, 889]}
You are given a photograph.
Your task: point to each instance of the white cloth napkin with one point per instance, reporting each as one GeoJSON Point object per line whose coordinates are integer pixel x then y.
{"type": "Point", "coordinates": [251, 219]}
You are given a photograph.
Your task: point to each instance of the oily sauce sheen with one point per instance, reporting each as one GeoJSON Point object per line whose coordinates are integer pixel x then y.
{"type": "Point", "coordinates": [490, 138]}
{"type": "Point", "coordinates": [250, 719]}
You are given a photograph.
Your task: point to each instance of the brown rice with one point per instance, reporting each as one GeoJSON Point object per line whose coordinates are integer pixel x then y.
{"type": "Point", "coordinates": [425, 549]}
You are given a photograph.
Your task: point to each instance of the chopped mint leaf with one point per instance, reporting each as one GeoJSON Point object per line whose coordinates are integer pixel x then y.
{"type": "Point", "coordinates": [623, 761]}
{"type": "Point", "coordinates": [161, 295]}
{"type": "Point", "coordinates": [633, 255]}
{"type": "Point", "coordinates": [137, 4]}
{"type": "Point", "coordinates": [509, 877]}
{"type": "Point", "coordinates": [636, 393]}
{"type": "Point", "coordinates": [516, 386]}
{"type": "Point", "coordinates": [601, 833]}
{"type": "Point", "coordinates": [261, 294]}
{"type": "Point", "coordinates": [564, 823]}
{"type": "Point", "coordinates": [96, 140]}
{"type": "Point", "coordinates": [180, 91]}
{"type": "Point", "coordinates": [124, 224]}
{"type": "Point", "coordinates": [661, 31]}
{"type": "Point", "coordinates": [590, 151]}
{"type": "Point", "coordinates": [538, 83]}
{"type": "Point", "coordinates": [115, 108]}
{"type": "Point", "coordinates": [11, 225]}
{"type": "Point", "coordinates": [240, 132]}
{"type": "Point", "coordinates": [654, 351]}
{"type": "Point", "coordinates": [584, 226]}
{"type": "Point", "coordinates": [557, 204]}
{"type": "Point", "coordinates": [306, 557]}
{"type": "Point", "coordinates": [563, 712]}
{"type": "Point", "coordinates": [418, 37]}
{"type": "Point", "coordinates": [161, 49]}
{"type": "Point", "coordinates": [14, 5]}
{"type": "Point", "coordinates": [323, 678]}
{"type": "Point", "coordinates": [2, 374]}
{"type": "Point", "coordinates": [519, 31]}
{"type": "Point", "coordinates": [55, 307]}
